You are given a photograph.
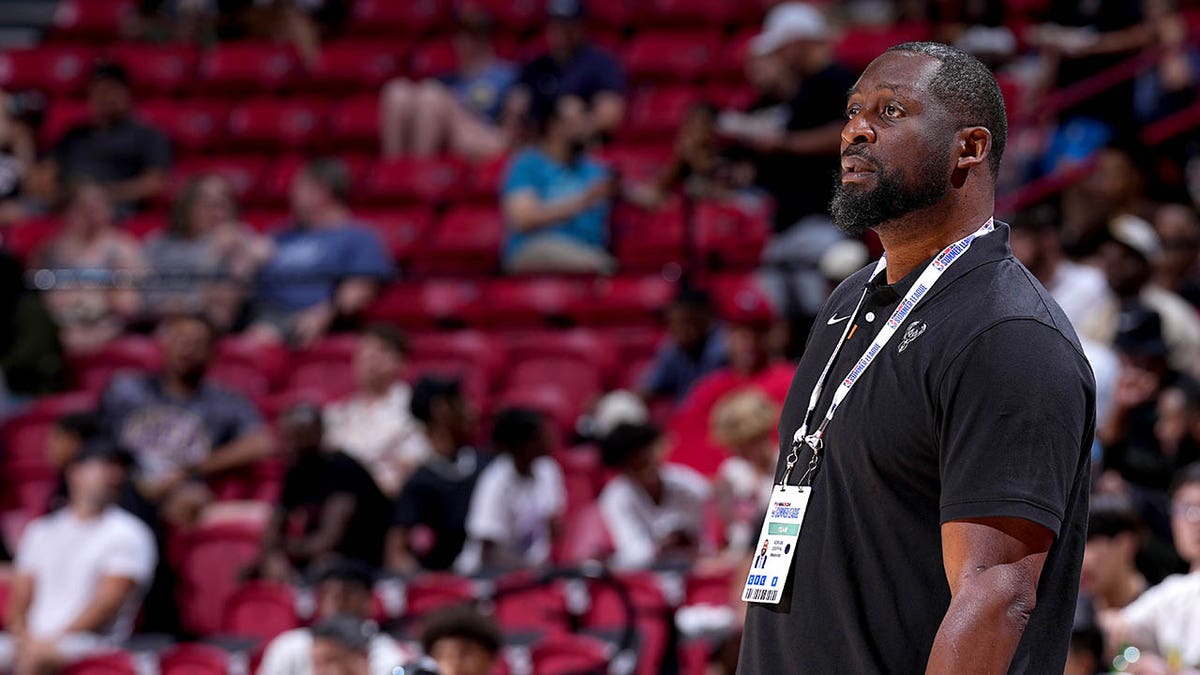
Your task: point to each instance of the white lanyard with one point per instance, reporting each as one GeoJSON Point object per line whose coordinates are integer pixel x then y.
{"type": "Point", "coordinates": [919, 290]}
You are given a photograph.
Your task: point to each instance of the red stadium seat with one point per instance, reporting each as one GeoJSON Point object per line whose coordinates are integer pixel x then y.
{"type": "Point", "coordinates": [355, 122]}
{"type": "Point", "coordinates": [193, 126]}
{"type": "Point", "coordinates": [5, 581]}
{"type": "Point", "coordinates": [267, 358]}
{"type": "Point", "coordinates": [584, 536]}
{"type": "Point", "coordinates": [673, 55]}
{"type": "Point", "coordinates": [244, 172]}
{"type": "Point", "coordinates": [114, 663]}
{"type": "Point", "coordinates": [730, 235]}
{"type": "Point", "coordinates": [135, 353]}
{"type": "Point", "coordinates": [655, 114]}
{"type": "Point", "coordinates": [144, 225]}
{"type": "Point", "coordinates": [648, 239]}
{"type": "Point", "coordinates": [28, 487]}
{"type": "Point", "coordinates": [485, 180]}
{"type": "Point", "coordinates": [627, 300]}
{"type": "Point", "coordinates": [431, 304]}
{"type": "Point", "coordinates": [613, 13]}
{"type": "Point", "coordinates": [739, 295]}
{"type": "Point", "coordinates": [477, 386]}
{"type": "Point", "coordinates": [387, 17]}
{"type": "Point", "coordinates": [467, 242]}
{"type": "Point", "coordinates": [330, 349]}
{"type": "Point", "coordinates": [404, 231]}
{"type": "Point", "coordinates": [27, 239]}
{"type": "Point", "coordinates": [580, 344]}
{"type": "Point", "coordinates": [435, 58]}
{"type": "Point", "coordinates": [99, 20]}
{"type": "Point", "coordinates": [531, 302]}
{"type": "Point", "coordinates": [193, 659]}
{"type": "Point", "coordinates": [278, 123]}
{"type": "Point", "coordinates": [50, 408]}
{"type": "Point", "coordinates": [210, 560]}
{"type": "Point", "coordinates": [679, 12]}
{"type": "Point", "coordinates": [428, 592]}
{"type": "Point", "coordinates": [352, 65]}
{"type": "Point", "coordinates": [550, 401]}
{"type": "Point", "coordinates": [574, 654]}
{"type": "Point", "coordinates": [243, 378]}
{"type": "Point", "coordinates": [525, 607]}
{"type": "Point", "coordinates": [608, 611]}
{"type": "Point", "coordinates": [259, 484]}
{"type": "Point", "coordinates": [245, 67]}
{"type": "Point", "coordinates": [261, 611]}
{"type": "Point", "coordinates": [860, 45]}
{"type": "Point", "coordinates": [517, 14]}
{"type": "Point", "coordinates": [711, 588]}
{"type": "Point", "coordinates": [583, 476]}
{"type": "Point", "coordinates": [576, 381]}
{"type": "Point", "coordinates": [25, 441]}
{"type": "Point", "coordinates": [272, 405]}
{"type": "Point", "coordinates": [474, 349]}
{"type": "Point", "coordinates": [159, 69]}
{"type": "Point", "coordinates": [57, 70]}
{"type": "Point", "coordinates": [423, 180]}
{"type": "Point", "coordinates": [634, 343]}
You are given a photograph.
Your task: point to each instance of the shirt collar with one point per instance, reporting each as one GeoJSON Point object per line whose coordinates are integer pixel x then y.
{"type": "Point", "coordinates": [989, 248]}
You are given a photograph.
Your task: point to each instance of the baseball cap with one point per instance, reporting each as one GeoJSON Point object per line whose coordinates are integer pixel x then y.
{"type": "Point", "coordinates": [565, 9]}
{"type": "Point", "coordinates": [1137, 235]}
{"type": "Point", "coordinates": [788, 22]}
{"type": "Point", "coordinates": [1139, 333]}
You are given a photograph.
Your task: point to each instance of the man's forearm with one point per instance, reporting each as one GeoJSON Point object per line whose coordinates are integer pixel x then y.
{"type": "Point", "coordinates": [984, 623]}
{"type": "Point", "coordinates": [254, 447]}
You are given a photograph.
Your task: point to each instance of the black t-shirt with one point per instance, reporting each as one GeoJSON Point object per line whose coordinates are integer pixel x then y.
{"type": "Point", "coordinates": [982, 405]}
{"type": "Point", "coordinates": [803, 184]}
{"type": "Point", "coordinates": [589, 72]}
{"type": "Point", "coordinates": [312, 480]}
{"type": "Point", "coordinates": [119, 152]}
{"type": "Point", "coordinates": [433, 507]}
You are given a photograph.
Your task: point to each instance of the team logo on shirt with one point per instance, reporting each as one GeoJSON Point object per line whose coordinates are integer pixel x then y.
{"type": "Point", "coordinates": [915, 329]}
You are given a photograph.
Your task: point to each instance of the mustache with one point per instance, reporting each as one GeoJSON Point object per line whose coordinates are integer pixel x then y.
{"type": "Point", "coordinates": [862, 153]}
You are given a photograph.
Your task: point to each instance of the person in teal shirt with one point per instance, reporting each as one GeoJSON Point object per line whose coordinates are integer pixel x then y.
{"type": "Point", "coordinates": [556, 198]}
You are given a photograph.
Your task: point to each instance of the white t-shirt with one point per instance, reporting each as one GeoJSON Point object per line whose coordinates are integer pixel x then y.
{"type": "Point", "coordinates": [514, 511]}
{"type": "Point", "coordinates": [381, 434]}
{"type": "Point", "coordinates": [1166, 619]}
{"type": "Point", "coordinates": [1082, 292]}
{"type": "Point", "coordinates": [68, 557]}
{"type": "Point", "coordinates": [290, 653]}
{"type": "Point", "coordinates": [636, 524]}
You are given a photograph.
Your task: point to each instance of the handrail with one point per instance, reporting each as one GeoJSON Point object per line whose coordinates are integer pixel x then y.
{"type": "Point", "coordinates": [1044, 187]}
{"type": "Point", "coordinates": [1084, 89]}
{"type": "Point", "coordinates": [1172, 125]}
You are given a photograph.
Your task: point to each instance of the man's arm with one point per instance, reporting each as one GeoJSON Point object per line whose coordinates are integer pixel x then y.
{"type": "Point", "coordinates": [332, 522]}
{"type": "Point", "coordinates": [247, 449]}
{"type": "Point", "coordinates": [111, 594]}
{"type": "Point", "coordinates": [992, 566]}
{"type": "Point", "coordinates": [140, 187]}
{"type": "Point", "coordinates": [20, 597]}
{"type": "Point", "coordinates": [526, 212]}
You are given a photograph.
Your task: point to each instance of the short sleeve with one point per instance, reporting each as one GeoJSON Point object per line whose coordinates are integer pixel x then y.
{"type": "Point", "coordinates": [521, 175]}
{"type": "Point", "coordinates": [29, 549]}
{"type": "Point", "coordinates": [408, 505]}
{"type": "Point", "coordinates": [486, 519]}
{"type": "Point", "coordinates": [365, 255]}
{"type": "Point", "coordinates": [1016, 424]}
{"type": "Point", "coordinates": [657, 378]}
{"type": "Point", "coordinates": [131, 554]}
{"type": "Point", "coordinates": [631, 537]}
{"type": "Point", "coordinates": [243, 415]}
{"type": "Point", "coordinates": [157, 150]}
{"type": "Point", "coordinates": [1141, 616]}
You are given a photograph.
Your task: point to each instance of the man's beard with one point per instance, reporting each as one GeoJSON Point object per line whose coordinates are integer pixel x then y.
{"type": "Point", "coordinates": [856, 209]}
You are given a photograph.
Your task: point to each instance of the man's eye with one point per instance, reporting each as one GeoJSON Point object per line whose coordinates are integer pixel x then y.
{"type": "Point", "coordinates": [851, 112]}
{"type": "Point", "coordinates": [890, 110]}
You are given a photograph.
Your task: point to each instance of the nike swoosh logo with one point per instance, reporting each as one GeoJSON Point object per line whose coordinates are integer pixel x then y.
{"type": "Point", "coordinates": [836, 319]}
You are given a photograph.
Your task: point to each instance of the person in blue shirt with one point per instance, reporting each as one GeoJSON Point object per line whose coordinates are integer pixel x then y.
{"type": "Point", "coordinates": [572, 66]}
{"type": "Point", "coordinates": [325, 266]}
{"type": "Point", "coordinates": [696, 348]}
{"type": "Point", "coordinates": [464, 112]}
{"type": "Point", "coordinates": [556, 198]}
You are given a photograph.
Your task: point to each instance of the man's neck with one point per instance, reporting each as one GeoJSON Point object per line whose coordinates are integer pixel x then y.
{"type": "Point", "coordinates": [85, 511]}
{"type": "Point", "coordinates": [918, 236]}
{"type": "Point", "coordinates": [179, 386]}
{"type": "Point", "coordinates": [329, 217]}
{"type": "Point", "coordinates": [444, 443]}
{"type": "Point", "coordinates": [556, 150]}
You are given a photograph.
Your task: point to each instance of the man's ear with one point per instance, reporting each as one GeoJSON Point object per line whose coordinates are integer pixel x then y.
{"type": "Point", "coordinates": [974, 145]}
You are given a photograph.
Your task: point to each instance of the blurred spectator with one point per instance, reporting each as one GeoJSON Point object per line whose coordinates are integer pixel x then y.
{"type": "Point", "coordinates": [91, 295]}
{"type": "Point", "coordinates": [31, 358]}
{"type": "Point", "coordinates": [753, 362]}
{"type": "Point", "coordinates": [572, 67]}
{"type": "Point", "coordinates": [343, 589]}
{"type": "Point", "coordinates": [696, 347]}
{"type": "Point", "coordinates": [1165, 620]}
{"type": "Point", "coordinates": [1112, 186]}
{"type": "Point", "coordinates": [429, 529]}
{"type": "Point", "coordinates": [805, 151]}
{"type": "Point", "coordinates": [181, 426]}
{"type": "Point", "coordinates": [127, 157]}
{"type": "Point", "coordinates": [173, 21]}
{"type": "Point", "coordinates": [69, 436]}
{"type": "Point", "coordinates": [329, 507]}
{"type": "Point", "coordinates": [699, 166]}
{"type": "Point", "coordinates": [1110, 576]}
{"type": "Point", "coordinates": [1081, 290]}
{"type": "Point", "coordinates": [519, 499]}
{"type": "Point", "coordinates": [81, 572]}
{"type": "Point", "coordinates": [375, 425]}
{"type": "Point", "coordinates": [1086, 651]}
{"type": "Point", "coordinates": [556, 198]}
{"type": "Point", "coordinates": [463, 112]}
{"type": "Point", "coordinates": [1129, 259]}
{"type": "Point", "coordinates": [325, 267]}
{"type": "Point", "coordinates": [17, 156]}
{"type": "Point", "coordinates": [342, 646]}
{"type": "Point", "coordinates": [1171, 86]}
{"type": "Point", "coordinates": [653, 510]}
{"type": "Point", "coordinates": [744, 422]}
{"type": "Point", "coordinates": [204, 260]}
{"type": "Point", "coordinates": [298, 22]}
{"type": "Point", "coordinates": [461, 641]}
{"type": "Point", "coordinates": [774, 85]}
{"type": "Point", "coordinates": [1176, 271]}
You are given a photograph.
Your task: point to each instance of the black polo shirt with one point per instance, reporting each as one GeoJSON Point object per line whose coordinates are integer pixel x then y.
{"type": "Point", "coordinates": [981, 405]}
